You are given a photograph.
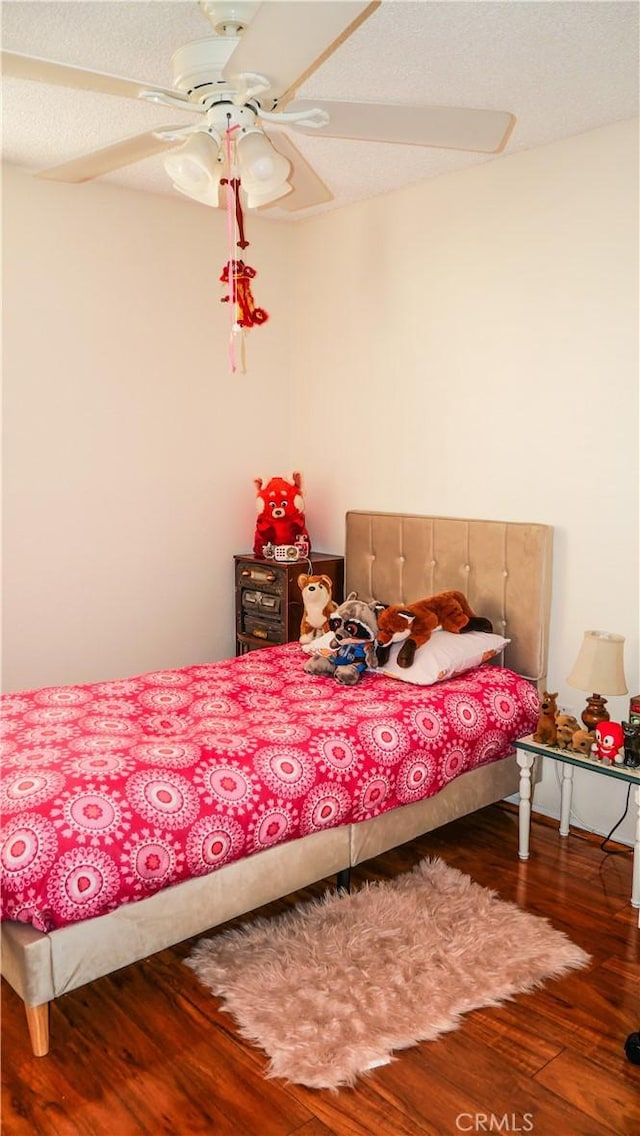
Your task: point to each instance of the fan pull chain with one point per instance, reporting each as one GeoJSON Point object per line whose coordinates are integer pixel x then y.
{"type": "Point", "coordinates": [234, 183]}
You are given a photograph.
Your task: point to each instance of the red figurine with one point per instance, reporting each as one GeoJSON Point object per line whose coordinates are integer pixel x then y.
{"type": "Point", "coordinates": [609, 743]}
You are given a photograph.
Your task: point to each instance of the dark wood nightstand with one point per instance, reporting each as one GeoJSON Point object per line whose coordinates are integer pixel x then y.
{"type": "Point", "coordinates": [268, 599]}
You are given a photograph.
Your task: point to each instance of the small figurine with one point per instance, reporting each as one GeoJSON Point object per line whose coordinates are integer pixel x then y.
{"type": "Point", "coordinates": [631, 731]}
{"type": "Point", "coordinates": [566, 726]}
{"type": "Point", "coordinates": [546, 730]}
{"type": "Point", "coordinates": [582, 741]}
{"type": "Point", "coordinates": [609, 743]}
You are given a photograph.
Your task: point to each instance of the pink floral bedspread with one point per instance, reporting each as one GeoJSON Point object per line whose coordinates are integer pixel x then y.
{"type": "Point", "coordinates": [115, 790]}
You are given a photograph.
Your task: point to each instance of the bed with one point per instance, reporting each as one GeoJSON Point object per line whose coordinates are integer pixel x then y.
{"type": "Point", "coordinates": [293, 838]}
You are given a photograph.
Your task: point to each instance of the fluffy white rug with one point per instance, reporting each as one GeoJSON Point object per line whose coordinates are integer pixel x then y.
{"type": "Point", "coordinates": [333, 987]}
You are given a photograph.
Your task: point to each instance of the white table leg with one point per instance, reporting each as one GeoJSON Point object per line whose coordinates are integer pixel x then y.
{"type": "Point", "coordinates": [565, 798]}
{"type": "Point", "coordinates": [525, 761]}
{"type": "Point", "coordinates": [635, 887]}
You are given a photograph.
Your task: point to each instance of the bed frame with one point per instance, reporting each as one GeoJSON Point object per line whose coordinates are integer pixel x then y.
{"type": "Point", "coordinates": [504, 568]}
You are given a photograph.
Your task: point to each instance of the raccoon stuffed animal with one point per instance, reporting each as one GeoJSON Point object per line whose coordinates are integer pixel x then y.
{"type": "Point", "coordinates": [354, 626]}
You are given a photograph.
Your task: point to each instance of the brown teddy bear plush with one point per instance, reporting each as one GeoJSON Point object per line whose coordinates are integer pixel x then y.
{"type": "Point", "coordinates": [318, 606]}
{"type": "Point", "coordinates": [546, 730]}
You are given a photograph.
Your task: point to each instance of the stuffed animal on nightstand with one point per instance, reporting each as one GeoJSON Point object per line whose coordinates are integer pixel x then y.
{"type": "Point", "coordinates": [609, 743]}
{"type": "Point", "coordinates": [318, 606]}
{"type": "Point", "coordinates": [631, 733]}
{"type": "Point", "coordinates": [280, 509]}
{"type": "Point", "coordinates": [566, 726]}
{"type": "Point", "coordinates": [546, 730]}
{"type": "Point", "coordinates": [582, 741]}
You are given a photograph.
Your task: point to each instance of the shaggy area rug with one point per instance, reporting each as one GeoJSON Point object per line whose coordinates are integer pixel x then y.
{"type": "Point", "coordinates": [333, 987]}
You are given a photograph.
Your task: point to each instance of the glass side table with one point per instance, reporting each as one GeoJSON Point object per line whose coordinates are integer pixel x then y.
{"type": "Point", "coordinates": [526, 752]}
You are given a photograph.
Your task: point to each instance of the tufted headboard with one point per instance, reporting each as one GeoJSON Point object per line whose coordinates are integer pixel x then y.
{"type": "Point", "coordinates": [503, 567]}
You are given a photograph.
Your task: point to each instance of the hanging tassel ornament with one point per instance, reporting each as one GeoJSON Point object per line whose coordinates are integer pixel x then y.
{"type": "Point", "coordinates": [246, 313]}
{"type": "Point", "coordinates": [237, 275]}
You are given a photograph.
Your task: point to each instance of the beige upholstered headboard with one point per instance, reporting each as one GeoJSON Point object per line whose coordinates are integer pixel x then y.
{"type": "Point", "coordinates": [503, 567]}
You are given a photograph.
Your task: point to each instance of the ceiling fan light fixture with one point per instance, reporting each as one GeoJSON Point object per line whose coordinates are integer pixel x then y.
{"type": "Point", "coordinates": [210, 196]}
{"type": "Point", "coordinates": [255, 198]}
{"type": "Point", "coordinates": [194, 168]}
{"type": "Point", "coordinates": [262, 168]}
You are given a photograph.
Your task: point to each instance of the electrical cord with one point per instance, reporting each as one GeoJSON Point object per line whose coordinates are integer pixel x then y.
{"type": "Point", "coordinates": [583, 824]}
{"type": "Point", "coordinates": [618, 851]}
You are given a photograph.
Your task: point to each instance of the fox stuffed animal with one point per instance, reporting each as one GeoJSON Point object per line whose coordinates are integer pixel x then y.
{"type": "Point", "coordinates": [412, 624]}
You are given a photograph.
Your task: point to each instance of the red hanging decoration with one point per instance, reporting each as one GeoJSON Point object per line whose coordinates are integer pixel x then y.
{"type": "Point", "coordinates": [237, 275]}
{"type": "Point", "coordinates": [241, 275]}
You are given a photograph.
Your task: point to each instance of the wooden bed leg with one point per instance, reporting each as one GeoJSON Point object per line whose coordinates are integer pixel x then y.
{"type": "Point", "coordinates": [38, 1023]}
{"type": "Point", "coordinates": [343, 880]}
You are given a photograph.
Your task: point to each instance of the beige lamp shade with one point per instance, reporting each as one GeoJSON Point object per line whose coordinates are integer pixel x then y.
{"type": "Point", "coordinates": [599, 666]}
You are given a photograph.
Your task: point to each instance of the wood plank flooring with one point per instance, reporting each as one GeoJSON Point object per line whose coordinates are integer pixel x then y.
{"type": "Point", "coordinates": [147, 1049]}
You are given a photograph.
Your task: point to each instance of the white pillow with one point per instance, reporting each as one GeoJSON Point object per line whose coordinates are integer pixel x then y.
{"type": "Point", "coordinates": [444, 655]}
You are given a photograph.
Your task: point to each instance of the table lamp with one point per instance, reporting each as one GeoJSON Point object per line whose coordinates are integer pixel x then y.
{"type": "Point", "coordinates": [599, 667]}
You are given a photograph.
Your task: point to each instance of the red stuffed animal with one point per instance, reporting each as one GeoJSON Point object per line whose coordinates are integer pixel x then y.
{"type": "Point", "coordinates": [609, 743]}
{"type": "Point", "coordinates": [280, 506]}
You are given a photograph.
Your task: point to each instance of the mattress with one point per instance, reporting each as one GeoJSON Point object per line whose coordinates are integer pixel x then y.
{"type": "Point", "coordinates": [114, 791]}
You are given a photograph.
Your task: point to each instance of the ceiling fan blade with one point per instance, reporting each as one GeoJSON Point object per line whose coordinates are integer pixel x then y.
{"type": "Point", "coordinates": [113, 157]}
{"type": "Point", "coordinates": [285, 41]}
{"type": "Point", "coordinates": [449, 128]}
{"type": "Point", "coordinates": [308, 189]}
{"type": "Point", "coordinates": [18, 66]}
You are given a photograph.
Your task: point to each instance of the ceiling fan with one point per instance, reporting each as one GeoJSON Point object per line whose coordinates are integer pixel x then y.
{"type": "Point", "coordinates": [241, 83]}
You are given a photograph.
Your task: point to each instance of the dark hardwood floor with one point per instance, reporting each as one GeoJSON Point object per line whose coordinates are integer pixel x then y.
{"type": "Point", "coordinates": [147, 1050]}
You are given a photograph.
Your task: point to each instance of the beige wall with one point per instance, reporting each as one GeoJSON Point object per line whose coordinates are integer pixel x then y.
{"type": "Point", "coordinates": [468, 346]}
{"type": "Point", "coordinates": [129, 447]}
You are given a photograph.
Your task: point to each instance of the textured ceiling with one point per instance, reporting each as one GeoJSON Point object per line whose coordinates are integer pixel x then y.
{"type": "Point", "coordinates": [560, 68]}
